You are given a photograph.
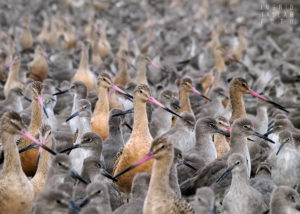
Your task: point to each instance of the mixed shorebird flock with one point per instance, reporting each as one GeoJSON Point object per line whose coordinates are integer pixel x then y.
{"type": "Point", "coordinates": [150, 107]}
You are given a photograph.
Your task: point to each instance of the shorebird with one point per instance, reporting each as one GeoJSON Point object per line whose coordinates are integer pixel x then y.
{"type": "Point", "coordinates": [205, 128]}
{"type": "Point", "coordinates": [140, 139]}
{"type": "Point", "coordinates": [13, 101]}
{"type": "Point", "coordinates": [90, 144]}
{"type": "Point", "coordinates": [83, 73]}
{"type": "Point", "coordinates": [13, 79]}
{"type": "Point", "coordinates": [100, 116]}
{"type": "Point", "coordinates": [114, 142]}
{"type": "Point", "coordinates": [160, 197]}
{"type": "Point", "coordinates": [241, 129]}
{"type": "Point", "coordinates": [29, 157]}
{"type": "Point", "coordinates": [241, 197]}
{"type": "Point", "coordinates": [39, 65]}
{"type": "Point", "coordinates": [26, 35]}
{"type": "Point", "coordinates": [284, 200]}
{"type": "Point", "coordinates": [182, 135]}
{"type": "Point", "coordinates": [203, 201]}
{"type": "Point", "coordinates": [238, 87]}
{"type": "Point", "coordinates": [138, 194]}
{"type": "Point", "coordinates": [220, 141]}
{"type": "Point", "coordinates": [285, 161]}
{"type": "Point", "coordinates": [44, 160]}
{"type": "Point", "coordinates": [51, 201]}
{"type": "Point", "coordinates": [122, 78]}
{"type": "Point", "coordinates": [157, 128]}
{"type": "Point", "coordinates": [16, 191]}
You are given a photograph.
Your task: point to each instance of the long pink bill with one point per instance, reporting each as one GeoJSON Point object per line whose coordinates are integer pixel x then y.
{"type": "Point", "coordinates": [154, 64]}
{"type": "Point", "coordinates": [155, 102]}
{"type": "Point", "coordinates": [146, 158]}
{"type": "Point", "coordinates": [34, 140]}
{"type": "Point", "coordinates": [40, 99]}
{"type": "Point", "coordinates": [43, 141]}
{"type": "Point", "coordinates": [113, 86]}
{"type": "Point", "coordinates": [276, 105]}
{"type": "Point", "coordinates": [199, 93]}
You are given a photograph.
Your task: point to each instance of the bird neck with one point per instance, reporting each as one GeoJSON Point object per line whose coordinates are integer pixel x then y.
{"type": "Point", "coordinates": [184, 100]}
{"type": "Point", "coordinates": [44, 164]}
{"type": "Point", "coordinates": [84, 62]}
{"type": "Point", "coordinates": [203, 140]}
{"type": "Point", "coordinates": [103, 33]}
{"type": "Point", "coordinates": [219, 61]}
{"type": "Point", "coordinates": [159, 183]}
{"type": "Point", "coordinates": [36, 117]}
{"type": "Point", "coordinates": [14, 72]}
{"type": "Point", "coordinates": [122, 72]}
{"type": "Point", "coordinates": [237, 142]}
{"type": "Point", "coordinates": [12, 163]}
{"type": "Point", "coordinates": [141, 75]}
{"type": "Point", "coordinates": [140, 124]}
{"type": "Point", "coordinates": [103, 102]}
{"type": "Point", "coordinates": [237, 103]}
{"type": "Point", "coordinates": [85, 126]}
{"type": "Point", "coordinates": [240, 180]}
{"type": "Point", "coordinates": [116, 131]}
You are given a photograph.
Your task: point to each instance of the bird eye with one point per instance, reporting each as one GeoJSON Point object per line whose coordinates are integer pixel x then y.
{"type": "Point", "coordinates": [141, 91]}
{"type": "Point", "coordinates": [212, 125]}
{"type": "Point", "coordinates": [246, 127]}
{"type": "Point", "coordinates": [99, 191]}
{"type": "Point", "coordinates": [292, 198]}
{"type": "Point", "coordinates": [58, 201]}
{"type": "Point", "coordinates": [163, 147]}
{"type": "Point", "coordinates": [244, 85]}
{"type": "Point", "coordinates": [59, 163]}
{"type": "Point", "coordinates": [237, 163]}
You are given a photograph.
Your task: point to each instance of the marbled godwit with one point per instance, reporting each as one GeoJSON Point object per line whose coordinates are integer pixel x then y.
{"type": "Point", "coordinates": [16, 191]}
{"type": "Point", "coordinates": [241, 197]}
{"type": "Point", "coordinates": [69, 36]}
{"type": "Point", "coordinates": [114, 142]}
{"type": "Point", "coordinates": [53, 34]}
{"type": "Point", "coordinates": [83, 73]}
{"type": "Point", "coordinates": [220, 141]}
{"type": "Point", "coordinates": [104, 45]}
{"type": "Point", "coordinates": [39, 179]}
{"type": "Point", "coordinates": [29, 157]}
{"type": "Point", "coordinates": [160, 197]}
{"type": "Point", "coordinates": [39, 65]}
{"type": "Point", "coordinates": [26, 35]}
{"type": "Point", "coordinates": [100, 116]}
{"type": "Point", "coordinates": [140, 139]}
{"type": "Point", "coordinates": [122, 78]}
{"type": "Point", "coordinates": [238, 87]}
{"type": "Point", "coordinates": [284, 200]}
{"type": "Point", "coordinates": [13, 76]}
{"type": "Point", "coordinates": [142, 62]}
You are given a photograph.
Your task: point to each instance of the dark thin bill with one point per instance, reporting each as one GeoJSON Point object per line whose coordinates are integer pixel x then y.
{"type": "Point", "coordinates": [199, 93]}
{"type": "Point", "coordinates": [188, 164]}
{"type": "Point", "coordinates": [220, 131]}
{"type": "Point", "coordinates": [73, 206]}
{"type": "Point", "coordinates": [45, 111]}
{"type": "Point", "coordinates": [30, 146]}
{"type": "Point", "coordinates": [269, 132]}
{"type": "Point", "coordinates": [75, 175]}
{"type": "Point", "coordinates": [128, 126]}
{"type": "Point", "coordinates": [280, 148]}
{"type": "Point", "coordinates": [27, 99]}
{"type": "Point", "coordinates": [61, 91]}
{"type": "Point", "coordinates": [147, 157]}
{"type": "Point", "coordinates": [37, 159]}
{"type": "Point", "coordinates": [129, 111]}
{"type": "Point", "coordinates": [263, 137]}
{"type": "Point", "coordinates": [227, 171]}
{"type": "Point", "coordinates": [70, 148]}
{"type": "Point", "coordinates": [72, 116]}
{"type": "Point", "coordinates": [278, 106]}
{"type": "Point", "coordinates": [108, 175]}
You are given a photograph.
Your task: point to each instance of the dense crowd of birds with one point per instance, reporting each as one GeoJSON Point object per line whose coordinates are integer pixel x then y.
{"type": "Point", "coordinates": [152, 106]}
